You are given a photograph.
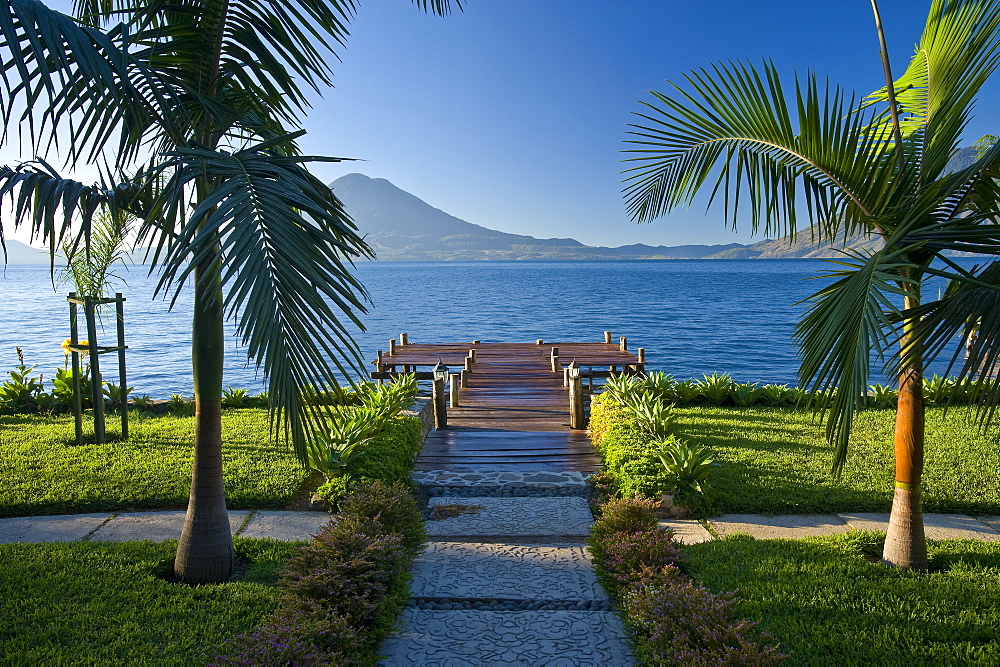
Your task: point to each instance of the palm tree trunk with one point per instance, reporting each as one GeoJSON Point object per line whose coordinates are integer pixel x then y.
{"type": "Point", "coordinates": [905, 545]}
{"type": "Point", "coordinates": [205, 550]}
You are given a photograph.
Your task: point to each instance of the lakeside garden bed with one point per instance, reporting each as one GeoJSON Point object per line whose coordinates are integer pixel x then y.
{"type": "Point", "coordinates": [775, 460]}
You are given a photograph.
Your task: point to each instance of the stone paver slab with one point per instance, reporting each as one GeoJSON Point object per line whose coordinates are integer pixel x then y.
{"type": "Point", "coordinates": [514, 516]}
{"type": "Point", "coordinates": [936, 526]}
{"type": "Point", "coordinates": [60, 528]}
{"type": "Point", "coordinates": [991, 521]}
{"type": "Point", "coordinates": [153, 526]}
{"type": "Point", "coordinates": [686, 531]}
{"type": "Point", "coordinates": [561, 638]}
{"type": "Point", "coordinates": [505, 571]}
{"type": "Point", "coordinates": [782, 526]}
{"type": "Point", "coordinates": [286, 526]}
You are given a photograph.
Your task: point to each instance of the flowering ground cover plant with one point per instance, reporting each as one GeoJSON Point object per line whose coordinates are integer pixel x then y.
{"type": "Point", "coordinates": [671, 619]}
{"type": "Point", "coordinates": [343, 591]}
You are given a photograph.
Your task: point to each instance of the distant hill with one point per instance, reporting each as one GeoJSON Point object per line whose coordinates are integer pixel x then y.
{"type": "Point", "coordinates": [21, 254]}
{"type": "Point", "coordinates": [402, 227]}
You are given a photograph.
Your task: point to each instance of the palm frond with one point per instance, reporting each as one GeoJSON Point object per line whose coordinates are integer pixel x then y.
{"type": "Point", "coordinates": [844, 323]}
{"type": "Point", "coordinates": [288, 249]}
{"type": "Point", "coordinates": [49, 204]}
{"type": "Point", "coordinates": [957, 54]}
{"type": "Point", "coordinates": [734, 124]}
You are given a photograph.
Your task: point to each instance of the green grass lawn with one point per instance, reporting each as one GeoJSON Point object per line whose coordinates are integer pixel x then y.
{"type": "Point", "coordinates": [105, 603]}
{"type": "Point", "coordinates": [828, 603]}
{"type": "Point", "coordinates": [777, 461]}
{"type": "Point", "coordinates": [43, 471]}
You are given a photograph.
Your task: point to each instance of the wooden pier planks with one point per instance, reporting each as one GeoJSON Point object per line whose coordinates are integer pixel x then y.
{"type": "Point", "coordinates": [514, 413]}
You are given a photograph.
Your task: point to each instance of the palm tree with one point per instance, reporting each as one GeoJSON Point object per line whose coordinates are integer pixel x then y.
{"type": "Point", "coordinates": [192, 110]}
{"type": "Point", "coordinates": [875, 165]}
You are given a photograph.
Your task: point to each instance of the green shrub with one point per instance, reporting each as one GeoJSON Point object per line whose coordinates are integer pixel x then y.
{"type": "Point", "coordinates": [388, 457]}
{"type": "Point", "coordinates": [630, 454]}
{"type": "Point", "coordinates": [672, 619]}
{"type": "Point", "coordinates": [392, 506]}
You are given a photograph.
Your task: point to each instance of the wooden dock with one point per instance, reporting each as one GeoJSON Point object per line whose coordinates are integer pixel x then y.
{"type": "Point", "coordinates": [514, 412]}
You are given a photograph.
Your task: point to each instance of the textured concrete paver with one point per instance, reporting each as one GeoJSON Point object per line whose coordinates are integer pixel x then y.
{"type": "Point", "coordinates": [787, 525]}
{"type": "Point", "coordinates": [60, 528]}
{"type": "Point", "coordinates": [991, 521]}
{"type": "Point", "coordinates": [936, 526]}
{"type": "Point", "coordinates": [153, 526]}
{"type": "Point", "coordinates": [287, 526]}
{"type": "Point", "coordinates": [514, 516]}
{"type": "Point", "coordinates": [563, 638]}
{"type": "Point", "coordinates": [686, 531]}
{"type": "Point", "coordinates": [468, 570]}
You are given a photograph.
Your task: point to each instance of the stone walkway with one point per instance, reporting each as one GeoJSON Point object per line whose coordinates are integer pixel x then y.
{"type": "Point", "coordinates": [155, 526]}
{"type": "Point", "coordinates": [506, 579]}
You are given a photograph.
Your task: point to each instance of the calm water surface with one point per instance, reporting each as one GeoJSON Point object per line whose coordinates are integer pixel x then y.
{"type": "Point", "coordinates": [692, 316]}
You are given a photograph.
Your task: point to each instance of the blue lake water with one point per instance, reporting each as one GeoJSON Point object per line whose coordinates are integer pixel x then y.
{"type": "Point", "coordinates": [692, 316]}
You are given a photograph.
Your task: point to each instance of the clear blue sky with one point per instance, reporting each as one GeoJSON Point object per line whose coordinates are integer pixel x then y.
{"type": "Point", "coordinates": [512, 113]}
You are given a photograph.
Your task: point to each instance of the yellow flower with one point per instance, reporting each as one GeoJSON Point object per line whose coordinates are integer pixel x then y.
{"type": "Point", "coordinates": [66, 345]}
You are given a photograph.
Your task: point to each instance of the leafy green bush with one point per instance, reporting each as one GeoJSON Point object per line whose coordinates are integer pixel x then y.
{"type": "Point", "coordinates": [388, 456]}
{"type": "Point", "coordinates": [630, 454]}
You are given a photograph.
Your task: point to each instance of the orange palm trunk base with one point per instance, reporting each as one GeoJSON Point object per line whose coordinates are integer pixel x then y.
{"type": "Point", "coordinates": [905, 545]}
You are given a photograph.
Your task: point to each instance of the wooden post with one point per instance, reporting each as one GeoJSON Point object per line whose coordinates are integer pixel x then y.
{"type": "Point", "coordinates": [607, 338]}
{"type": "Point", "coordinates": [440, 408]}
{"type": "Point", "coordinates": [464, 378]}
{"type": "Point", "coordinates": [623, 344]}
{"type": "Point", "coordinates": [475, 342]}
{"type": "Point", "coordinates": [577, 419]}
{"type": "Point", "coordinates": [565, 376]}
{"type": "Point", "coordinates": [555, 359]}
{"type": "Point", "coordinates": [539, 342]}
{"type": "Point", "coordinates": [392, 346]}
{"type": "Point", "coordinates": [379, 366]}
{"type": "Point", "coordinates": [455, 379]}
{"type": "Point", "coordinates": [74, 339]}
{"type": "Point", "coordinates": [641, 366]}
{"type": "Point", "coordinates": [403, 339]}
{"type": "Point", "coordinates": [472, 354]}
{"type": "Point", "coordinates": [468, 363]}
{"type": "Point", "coordinates": [122, 378]}
{"type": "Point", "coordinates": [96, 384]}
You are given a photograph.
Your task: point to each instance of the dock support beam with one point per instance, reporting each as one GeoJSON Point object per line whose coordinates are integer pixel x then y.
{"type": "Point", "coordinates": [440, 408]}
{"type": "Point", "coordinates": [455, 382]}
{"type": "Point", "coordinates": [577, 419]}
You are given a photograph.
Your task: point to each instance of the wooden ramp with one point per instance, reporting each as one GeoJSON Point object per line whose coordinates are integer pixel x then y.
{"type": "Point", "coordinates": [514, 413]}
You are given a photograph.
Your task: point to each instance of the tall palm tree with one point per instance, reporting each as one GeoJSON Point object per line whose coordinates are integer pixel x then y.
{"type": "Point", "coordinates": [875, 165]}
{"type": "Point", "coordinates": [192, 110]}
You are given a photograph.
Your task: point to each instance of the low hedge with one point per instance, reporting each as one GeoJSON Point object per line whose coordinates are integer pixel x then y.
{"type": "Point", "coordinates": [342, 592]}
{"type": "Point", "coordinates": [388, 458]}
{"type": "Point", "coordinates": [672, 619]}
{"type": "Point", "coordinates": [629, 453]}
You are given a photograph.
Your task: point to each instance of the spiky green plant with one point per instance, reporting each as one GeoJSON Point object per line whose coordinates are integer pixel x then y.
{"type": "Point", "coordinates": [690, 465]}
